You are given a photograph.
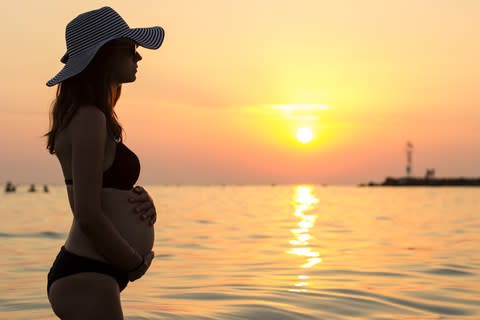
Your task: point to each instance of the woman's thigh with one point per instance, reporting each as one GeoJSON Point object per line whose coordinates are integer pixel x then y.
{"type": "Point", "coordinates": [86, 295]}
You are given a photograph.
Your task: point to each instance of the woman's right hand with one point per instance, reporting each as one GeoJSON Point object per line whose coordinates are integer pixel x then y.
{"type": "Point", "coordinates": [139, 271]}
{"type": "Point", "coordinates": [145, 207]}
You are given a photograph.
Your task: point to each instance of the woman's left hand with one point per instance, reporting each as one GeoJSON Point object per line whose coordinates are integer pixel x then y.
{"type": "Point", "coordinates": [145, 207]}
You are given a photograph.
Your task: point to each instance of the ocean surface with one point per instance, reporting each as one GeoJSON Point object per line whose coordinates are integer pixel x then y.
{"type": "Point", "coordinates": [271, 252]}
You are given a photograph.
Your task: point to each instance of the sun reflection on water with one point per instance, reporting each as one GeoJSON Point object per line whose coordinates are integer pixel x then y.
{"type": "Point", "coordinates": [305, 202]}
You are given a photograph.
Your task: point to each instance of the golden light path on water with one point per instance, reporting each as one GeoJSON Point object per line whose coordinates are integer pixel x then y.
{"type": "Point", "coordinates": [305, 202]}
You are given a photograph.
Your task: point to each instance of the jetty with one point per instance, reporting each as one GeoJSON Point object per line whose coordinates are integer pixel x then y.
{"type": "Point", "coordinates": [424, 182]}
{"type": "Point", "coordinates": [428, 180]}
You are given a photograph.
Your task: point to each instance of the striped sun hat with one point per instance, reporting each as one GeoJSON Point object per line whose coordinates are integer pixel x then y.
{"type": "Point", "coordinates": [88, 32]}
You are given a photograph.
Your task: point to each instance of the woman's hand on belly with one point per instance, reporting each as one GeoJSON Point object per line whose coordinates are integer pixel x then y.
{"type": "Point", "coordinates": [138, 272]}
{"type": "Point", "coordinates": [144, 208]}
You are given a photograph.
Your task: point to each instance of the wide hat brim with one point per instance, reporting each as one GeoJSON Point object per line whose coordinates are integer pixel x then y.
{"type": "Point", "coordinates": [150, 38]}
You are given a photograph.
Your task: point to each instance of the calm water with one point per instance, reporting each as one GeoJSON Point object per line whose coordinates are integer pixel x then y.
{"type": "Point", "coordinates": [283, 252]}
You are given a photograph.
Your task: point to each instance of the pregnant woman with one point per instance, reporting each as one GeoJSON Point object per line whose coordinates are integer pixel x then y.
{"type": "Point", "coordinates": [107, 245]}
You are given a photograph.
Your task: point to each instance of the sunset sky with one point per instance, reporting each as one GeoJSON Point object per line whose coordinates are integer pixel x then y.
{"type": "Point", "coordinates": [222, 99]}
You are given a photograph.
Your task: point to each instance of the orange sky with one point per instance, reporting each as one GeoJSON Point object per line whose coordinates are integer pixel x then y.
{"type": "Point", "coordinates": [221, 100]}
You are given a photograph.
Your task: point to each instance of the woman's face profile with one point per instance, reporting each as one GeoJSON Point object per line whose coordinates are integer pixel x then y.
{"type": "Point", "coordinates": [123, 58]}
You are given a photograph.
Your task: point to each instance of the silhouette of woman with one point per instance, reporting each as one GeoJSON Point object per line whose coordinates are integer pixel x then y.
{"type": "Point", "coordinates": [107, 245]}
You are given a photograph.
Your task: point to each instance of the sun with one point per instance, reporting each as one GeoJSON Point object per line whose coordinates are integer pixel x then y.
{"type": "Point", "coordinates": [304, 135]}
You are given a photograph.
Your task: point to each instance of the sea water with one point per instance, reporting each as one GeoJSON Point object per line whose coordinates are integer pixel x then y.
{"type": "Point", "coordinates": [271, 252]}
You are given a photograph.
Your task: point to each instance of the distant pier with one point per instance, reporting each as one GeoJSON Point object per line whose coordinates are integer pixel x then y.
{"type": "Point", "coordinates": [424, 181]}
{"type": "Point", "coordinates": [428, 180]}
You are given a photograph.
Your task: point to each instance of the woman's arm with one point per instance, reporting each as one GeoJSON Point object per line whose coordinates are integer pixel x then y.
{"type": "Point", "coordinates": [88, 134]}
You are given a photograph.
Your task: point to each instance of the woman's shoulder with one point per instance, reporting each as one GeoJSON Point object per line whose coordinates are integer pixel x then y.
{"type": "Point", "coordinates": [88, 117]}
{"type": "Point", "coordinates": [91, 112]}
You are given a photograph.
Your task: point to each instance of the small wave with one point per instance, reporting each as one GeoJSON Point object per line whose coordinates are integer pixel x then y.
{"type": "Point", "coordinates": [203, 296]}
{"type": "Point", "coordinates": [42, 234]}
{"type": "Point", "coordinates": [448, 272]}
{"type": "Point", "coordinates": [402, 302]}
{"type": "Point", "coordinates": [266, 311]}
{"type": "Point", "coordinates": [337, 272]}
{"type": "Point", "coordinates": [259, 236]}
{"type": "Point", "coordinates": [193, 246]}
{"type": "Point", "coordinates": [204, 221]}
{"type": "Point", "coordinates": [164, 256]}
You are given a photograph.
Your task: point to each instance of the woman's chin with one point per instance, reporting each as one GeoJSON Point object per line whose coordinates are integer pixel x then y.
{"type": "Point", "coordinates": [132, 78]}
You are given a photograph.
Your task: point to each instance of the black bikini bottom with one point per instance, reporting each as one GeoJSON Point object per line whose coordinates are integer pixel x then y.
{"type": "Point", "coordinates": [67, 264]}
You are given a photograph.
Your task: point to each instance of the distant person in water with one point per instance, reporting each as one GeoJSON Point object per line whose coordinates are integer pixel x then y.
{"type": "Point", "coordinates": [45, 189]}
{"type": "Point", "coordinates": [32, 188]}
{"type": "Point", "coordinates": [111, 238]}
{"type": "Point", "coordinates": [10, 187]}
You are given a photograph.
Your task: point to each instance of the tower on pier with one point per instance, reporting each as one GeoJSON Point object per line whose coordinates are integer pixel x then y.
{"type": "Point", "coordinates": [409, 151]}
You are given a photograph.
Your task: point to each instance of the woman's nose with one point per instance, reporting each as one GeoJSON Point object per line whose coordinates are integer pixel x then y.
{"type": "Point", "coordinates": [138, 57]}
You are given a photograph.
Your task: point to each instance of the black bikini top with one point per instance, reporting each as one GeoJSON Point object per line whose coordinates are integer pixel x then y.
{"type": "Point", "coordinates": [124, 171]}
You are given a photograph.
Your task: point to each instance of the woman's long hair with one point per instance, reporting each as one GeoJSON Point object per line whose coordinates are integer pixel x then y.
{"type": "Point", "coordinates": [93, 86]}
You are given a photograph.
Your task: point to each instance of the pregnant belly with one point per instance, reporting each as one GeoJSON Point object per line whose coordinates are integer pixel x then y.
{"type": "Point", "coordinates": [139, 234]}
